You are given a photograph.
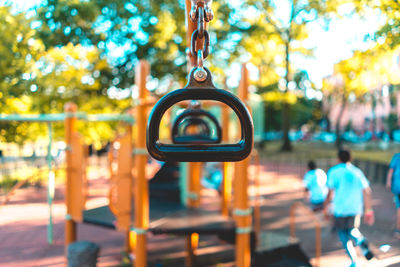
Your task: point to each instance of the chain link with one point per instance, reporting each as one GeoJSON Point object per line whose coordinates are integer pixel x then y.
{"type": "Point", "coordinates": [200, 22]}
{"type": "Point", "coordinates": [206, 44]}
{"type": "Point", "coordinates": [209, 15]}
{"type": "Point", "coordinates": [201, 13]}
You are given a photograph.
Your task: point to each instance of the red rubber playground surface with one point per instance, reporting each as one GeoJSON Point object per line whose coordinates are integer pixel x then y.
{"type": "Point", "coordinates": [23, 226]}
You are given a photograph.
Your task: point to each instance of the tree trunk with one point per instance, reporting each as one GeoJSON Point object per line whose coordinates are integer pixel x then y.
{"type": "Point", "coordinates": [328, 124]}
{"type": "Point", "coordinates": [286, 146]}
{"type": "Point", "coordinates": [339, 119]}
{"type": "Point", "coordinates": [373, 119]}
{"type": "Point", "coordinates": [326, 111]}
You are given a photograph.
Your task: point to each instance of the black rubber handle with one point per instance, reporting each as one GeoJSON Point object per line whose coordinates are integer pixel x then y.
{"type": "Point", "coordinates": [194, 139]}
{"type": "Point", "coordinates": [194, 117]}
{"type": "Point", "coordinates": [199, 152]}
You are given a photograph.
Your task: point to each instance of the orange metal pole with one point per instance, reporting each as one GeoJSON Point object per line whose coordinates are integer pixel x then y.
{"type": "Point", "coordinates": [257, 204]}
{"type": "Point", "coordinates": [194, 186]}
{"type": "Point", "coordinates": [194, 168]}
{"type": "Point", "coordinates": [192, 242]}
{"type": "Point", "coordinates": [141, 184]}
{"type": "Point", "coordinates": [226, 166]}
{"type": "Point", "coordinates": [70, 129]}
{"type": "Point", "coordinates": [242, 211]}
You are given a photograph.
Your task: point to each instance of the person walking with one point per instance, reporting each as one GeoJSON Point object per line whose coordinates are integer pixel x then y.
{"type": "Point", "coordinates": [315, 186]}
{"type": "Point", "coordinates": [351, 194]}
{"type": "Point", "coordinates": [393, 183]}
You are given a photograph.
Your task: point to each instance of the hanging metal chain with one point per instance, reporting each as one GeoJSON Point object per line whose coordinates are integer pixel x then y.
{"type": "Point", "coordinates": [209, 15]}
{"type": "Point", "coordinates": [201, 13]}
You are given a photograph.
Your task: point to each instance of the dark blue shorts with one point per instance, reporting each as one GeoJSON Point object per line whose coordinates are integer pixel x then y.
{"type": "Point", "coordinates": [317, 206]}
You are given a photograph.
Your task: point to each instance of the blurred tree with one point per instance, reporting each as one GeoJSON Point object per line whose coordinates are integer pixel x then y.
{"type": "Point", "coordinates": [126, 31]}
{"type": "Point", "coordinates": [303, 111]}
{"type": "Point", "coordinates": [18, 53]}
{"type": "Point", "coordinates": [74, 73]}
{"type": "Point", "coordinates": [388, 34]}
{"type": "Point", "coordinates": [303, 108]}
{"type": "Point", "coordinates": [350, 82]}
{"type": "Point", "coordinates": [391, 124]}
{"type": "Point", "coordinates": [284, 27]}
{"type": "Point", "coordinates": [86, 52]}
{"type": "Point", "coordinates": [361, 78]}
{"type": "Point", "coordinates": [122, 31]}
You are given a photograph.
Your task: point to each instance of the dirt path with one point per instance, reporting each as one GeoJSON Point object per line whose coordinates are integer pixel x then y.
{"type": "Point", "coordinates": [23, 225]}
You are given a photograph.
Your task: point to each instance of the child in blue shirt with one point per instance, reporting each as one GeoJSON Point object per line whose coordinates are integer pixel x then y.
{"type": "Point", "coordinates": [315, 186]}
{"type": "Point", "coordinates": [393, 183]}
{"type": "Point", "coordinates": [351, 195]}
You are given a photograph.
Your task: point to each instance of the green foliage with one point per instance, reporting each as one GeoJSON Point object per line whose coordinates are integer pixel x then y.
{"type": "Point", "coordinates": [7, 182]}
{"type": "Point", "coordinates": [125, 32]}
{"type": "Point", "coordinates": [86, 51]}
{"type": "Point", "coordinates": [18, 52]}
{"type": "Point", "coordinates": [392, 122]}
{"type": "Point", "coordinates": [302, 112]}
{"type": "Point", "coordinates": [388, 35]}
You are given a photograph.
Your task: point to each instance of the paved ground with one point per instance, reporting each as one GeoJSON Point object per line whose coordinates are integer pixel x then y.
{"type": "Point", "coordinates": [23, 226]}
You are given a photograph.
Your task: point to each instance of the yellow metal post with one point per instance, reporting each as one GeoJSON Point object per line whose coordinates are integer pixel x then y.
{"type": "Point", "coordinates": [242, 211]}
{"type": "Point", "coordinates": [141, 184]}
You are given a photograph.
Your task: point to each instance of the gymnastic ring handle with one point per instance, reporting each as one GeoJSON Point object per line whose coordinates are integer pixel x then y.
{"type": "Point", "coordinates": [199, 152]}
{"type": "Point", "coordinates": [195, 121]}
{"type": "Point", "coordinates": [202, 138]}
{"type": "Point", "coordinates": [195, 114]}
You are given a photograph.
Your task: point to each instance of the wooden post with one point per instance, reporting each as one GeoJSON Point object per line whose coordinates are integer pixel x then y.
{"type": "Point", "coordinates": [141, 184]}
{"type": "Point", "coordinates": [242, 211]}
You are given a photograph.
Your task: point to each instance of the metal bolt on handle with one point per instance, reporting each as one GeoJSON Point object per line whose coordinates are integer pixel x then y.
{"type": "Point", "coordinates": [200, 74]}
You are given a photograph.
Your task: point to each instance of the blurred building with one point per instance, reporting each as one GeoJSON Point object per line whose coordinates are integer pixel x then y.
{"type": "Point", "coordinates": [373, 110]}
{"type": "Point", "coordinates": [360, 116]}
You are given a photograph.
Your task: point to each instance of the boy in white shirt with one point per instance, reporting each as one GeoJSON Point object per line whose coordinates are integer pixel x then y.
{"type": "Point", "coordinates": [315, 186]}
